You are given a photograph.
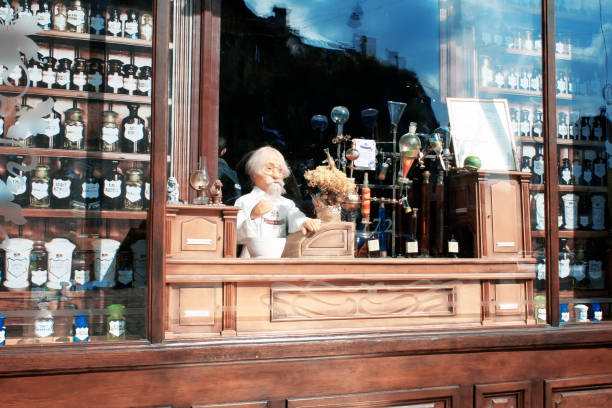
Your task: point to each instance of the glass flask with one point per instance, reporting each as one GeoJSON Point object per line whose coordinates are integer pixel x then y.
{"type": "Point", "coordinates": [114, 78]}
{"type": "Point", "coordinates": [199, 181]}
{"type": "Point", "coordinates": [131, 25]}
{"type": "Point", "coordinates": [62, 80]}
{"type": "Point", "coordinates": [409, 147]}
{"type": "Point", "coordinates": [76, 17]}
{"type": "Point", "coordinates": [133, 131]}
{"type": "Point", "coordinates": [133, 190]}
{"type": "Point", "coordinates": [112, 188]}
{"type": "Point", "coordinates": [79, 76]}
{"type": "Point", "coordinates": [115, 323]}
{"type": "Point", "coordinates": [74, 129]}
{"type": "Point", "coordinates": [63, 184]}
{"type": "Point", "coordinates": [43, 324]}
{"type": "Point", "coordinates": [109, 138]}
{"type": "Point", "coordinates": [39, 187]}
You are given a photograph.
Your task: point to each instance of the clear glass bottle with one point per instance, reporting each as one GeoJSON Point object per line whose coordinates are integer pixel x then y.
{"type": "Point", "coordinates": [486, 72]}
{"type": "Point", "coordinates": [38, 266]}
{"type": "Point", "coordinates": [95, 75]}
{"type": "Point", "coordinates": [79, 74]}
{"type": "Point", "coordinates": [114, 26]}
{"type": "Point", "coordinates": [39, 187]}
{"type": "Point", "coordinates": [525, 124]}
{"type": "Point", "coordinates": [130, 81]}
{"type": "Point", "coordinates": [74, 129]}
{"type": "Point", "coordinates": [63, 184]}
{"type": "Point", "coordinates": [514, 122]}
{"type": "Point", "coordinates": [146, 193]}
{"type": "Point", "coordinates": [115, 323]}
{"type": "Point", "coordinates": [563, 129]}
{"type": "Point", "coordinates": [565, 172]}
{"type": "Point", "coordinates": [60, 16]}
{"type": "Point", "coordinates": [146, 26]}
{"type": "Point", "coordinates": [144, 81]}
{"type": "Point", "coordinates": [49, 73]}
{"type": "Point", "coordinates": [51, 135]}
{"type": "Point", "coordinates": [577, 168]}
{"type": "Point", "coordinates": [513, 78]}
{"type": "Point", "coordinates": [43, 324]}
{"type": "Point", "coordinates": [76, 18]}
{"type": "Point", "coordinates": [97, 17]}
{"type": "Point", "coordinates": [574, 126]}
{"type": "Point", "coordinates": [63, 74]}
{"type": "Point", "coordinates": [499, 78]}
{"type": "Point", "coordinates": [43, 15]}
{"type": "Point", "coordinates": [112, 187]}
{"type": "Point", "coordinates": [114, 78]}
{"type": "Point", "coordinates": [109, 138]}
{"type": "Point", "coordinates": [131, 29]}
{"type": "Point", "coordinates": [134, 190]}
{"type": "Point", "coordinates": [87, 191]}
{"type": "Point", "coordinates": [565, 279]}
{"type": "Point", "coordinates": [17, 182]}
{"type": "Point", "coordinates": [81, 270]}
{"type": "Point", "coordinates": [133, 131]}
{"type": "Point", "coordinates": [25, 9]}
{"type": "Point", "coordinates": [526, 164]}
{"type": "Point", "coordinates": [579, 268]}
{"type": "Point", "coordinates": [538, 125]}
{"type": "Point", "coordinates": [27, 135]}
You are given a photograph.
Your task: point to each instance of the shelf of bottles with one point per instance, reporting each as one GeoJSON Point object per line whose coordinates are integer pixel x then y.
{"type": "Point", "coordinates": [74, 266]}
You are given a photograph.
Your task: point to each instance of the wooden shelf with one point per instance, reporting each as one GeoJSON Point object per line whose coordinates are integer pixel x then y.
{"type": "Point", "coordinates": [571, 189]}
{"type": "Point", "coordinates": [70, 94]}
{"type": "Point", "coordinates": [77, 154]}
{"type": "Point", "coordinates": [69, 213]}
{"type": "Point", "coordinates": [573, 234]}
{"type": "Point", "coordinates": [565, 142]}
{"type": "Point", "coordinates": [64, 35]}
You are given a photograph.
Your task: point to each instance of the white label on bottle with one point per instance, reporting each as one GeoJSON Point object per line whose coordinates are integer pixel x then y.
{"type": "Point", "coordinates": [131, 27]}
{"type": "Point", "coordinates": [540, 216]}
{"type": "Point", "coordinates": [147, 31]}
{"type": "Point", "coordinates": [96, 23]}
{"type": "Point", "coordinates": [90, 190]}
{"type": "Point", "coordinates": [524, 83]}
{"type": "Point", "coordinates": [412, 247]}
{"type": "Point", "coordinates": [576, 170]}
{"type": "Point", "coordinates": [59, 22]}
{"type": "Point", "coordinates": [134, 132]}
{"type": "Point", "coordinates": [39, 277]}
{"type": "Point", "coordinates": [373, 245]}
{"type": "Point", "coordinates": [133, 193]}
{"type": "Point", "coordinates": [587, 176]}
{"type": "Point", "coordinates": [16, 184]}
{"type": "Point", "coordinates": [130, 84]}
{"type": "Point", "coordinates": [599, 169]}
{"type": "Point", "coordinates": [15, 74]}
{"type": "Point", "coordinates": [597, 132]}
{"type": "Point", "coordinates": [40, 190]}
{"type": "Point", "coordinates": [34, 74]}
{"type": "Point", "coordinates": [112, 188]}
{"type": "Point", "coordinates": [81, 333]}
{"type": "Point", "coordinates": [565, 317]}
{"type": "Point", "coordinates": [79, 80]}
{"type": "Point", "coordinates": [81, 276]}
{"type": "Point", "coordinates": [594, 269]}
{"type": "Point", "coordinates": [63, 78]}
{"type": "Point", "coordinates": [538, 167]}
{"type": "Point", "coordinates": [566, 175]}
{"type": "Point", "coordinates": [144, 85]}
{"type": "Point", "coordinates": [597, 212]}
{"type": "Point", "coordinates": [43, 18]}
{"type": "Point", "coordinates": [579, 271]}
{"type": "Point", "coordinates": [597, 315]}
{"type": "Point", "coordinates": [541, 313]}
{"type": "Point", "coordinates": [114, 27]}
{"type": "Point", "coordinates": [541, 271]}
{"type": "Point", "coordinates": [564, 268]}
{"type": "Point", "coordinates": [49, 77]}
{"type": "Point", "coordinates": [563, 130]}
{"type": "Point", "coordinates": [110, 135]}
{"type": "Point", "coordinates": [76, 17]}
{"type": "Point", "coordinates": [53, 127]}
{"type": "Point", "coordinates": [115, 81]}
{"type": "Point", "coordinates": [147, 191]}
{"type": "Point", "coordinates": [116, 327]}
{"type": "Point", "coordinates": [453, 247]}
{"type": "Point", "coordinates": [125, 276]}
{"type": "Point", "coordinates": [17, 269]}
{"type": "Point", "coordinates": [43, 328]}
{"type": "Point", "coordinates": [499, 79]}
{"type": "Point", "coordinates": [512, 81]}
{"type": "Point", "coordinates": [61, 188]}
{"type": "Point", "coordinates": [74, 133]}
{"type": "Point", "coordinates": [95, 80]}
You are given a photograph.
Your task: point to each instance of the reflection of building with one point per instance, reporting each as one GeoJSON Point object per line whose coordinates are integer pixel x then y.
{"type": "Point", "coordinates": [364, 45]}
{"type": "Point", "coordinates": [393, 58]}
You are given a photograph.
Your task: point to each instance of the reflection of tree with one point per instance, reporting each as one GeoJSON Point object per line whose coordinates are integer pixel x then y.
{"type": "Point", "coordinates": [272, 83]}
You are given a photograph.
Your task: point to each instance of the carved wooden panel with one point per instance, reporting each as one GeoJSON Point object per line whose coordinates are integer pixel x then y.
{"type": "Point", "coordinates": [503, 395]}
{"type": "Point", "coordinates": [199, 234]}
{"type": "Point", "coordinates": [335, 239]}
{"type": "Point", "coordinates": [506, 302]}
{"type": "Point", "coordinates": [580, 392]}
{"type": "Point", "coordinates": [506, 223]}
{"type": "Point", "coordinates": [439, 397]}
{"type": "Point", "coordinates": [194, 310]}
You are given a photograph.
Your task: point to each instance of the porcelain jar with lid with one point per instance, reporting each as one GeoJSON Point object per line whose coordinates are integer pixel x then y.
{"type": "Point", "coordinates": [59, 255]}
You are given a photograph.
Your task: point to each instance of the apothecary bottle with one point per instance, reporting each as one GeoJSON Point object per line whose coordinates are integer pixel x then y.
{"type": "Point", "coordinates": [95, 75]}
{"type": "Point", "coordinates": [74, 129]}
{"type": "Point", "coordinates": [97, 17]}
{"type": "Point", "coordinates": [146, 26]}
{"type": "Point", "coordinates": [2, 331]}
{"type": "Point", "coordinates": [34, 71]}
{"type": "Point", "coordinates": [80, 329]}
{"type": "Point", "coordinates": [125, 271]}
{"type": "Point", "coordinates": [16, 76]}
{"type": "Point", "coordinates": [130, 81]}
{"type": "Point", "coordinates": [25, 9]}
{"type": "Point", "coordinates": [43, 15]}
{"type": "Point", "coordinates": [131, 25]}
{"type": "Point", "coordinates": [587, 172]}
{"type": "Point", "coordinates": [76, 21]}
{"type": "Point", "coordinates": [60, 15]}
{"type": "Point", "coordinates": [39, 187]}
{"type": "Point", "coordinates": [109, 137]}
{"type": "Point", "coordinates": [112, 188]}
{"type": "Point", "coordinates": [144, 81]}
{"type": "Point", "coordinates": [6, 11]}
{"type": "Point", "coordinates": [79, 74]}
{"type": "Point", "coordinates": [599, 170]}
{"type": "Point", "coordinates": [63, 75]}
{"type": "Point", "coordinates": [538, 125]}
{"type": "Point", "coordinates": [38, 266]}
{"type": "Point", "coordinates": [87, 191]}
{"type": "Point", "coordinates": [537, 163]}
{"type": "Point", "coordinates": [115, 323]}
{"type": "Point", "coordinates": [146, 193]}
{"type": "Point", "coordinates": [81, 270]}
{"type": "Point", "coordinates": [17, 182]}
{"type": "Point", "coordinates": [133, 190]}
{"type": "Point", "coordinates": [27, 134]}
{"type": "Point", "coordinates": [49, 75]}
{"type": "Point", "coordinates": [63, 184]}
{"type": "Point", "coordinates": [133, 131]}
{"type": "Point", "coordinates": [565, 280]}
{"type": "Point", "coordinates": [585, 128]}
{"type": "Point", "coordinates": [565, 172]}
{"type": "Point", "coordinates": [43, 325]}
{"type": "Point", "coordinates": [50, 136]}
{"type": "Point", "coordinates": [114, 26]}
{"type": "Point", "coordinates": [114, 78]}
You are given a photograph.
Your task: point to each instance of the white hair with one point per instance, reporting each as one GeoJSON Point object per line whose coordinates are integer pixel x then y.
{"type": "Point", "coordinates": [258, 159]}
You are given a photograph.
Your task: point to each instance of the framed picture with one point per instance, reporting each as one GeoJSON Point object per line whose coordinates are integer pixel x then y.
{"type": "Point", "coordinates": [481, 127]}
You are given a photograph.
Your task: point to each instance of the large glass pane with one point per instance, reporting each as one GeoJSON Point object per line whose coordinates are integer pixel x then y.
{"type": "Point", "coordinates": [584, 96]}
{"type": "Point", "coordinates": [74, 158]}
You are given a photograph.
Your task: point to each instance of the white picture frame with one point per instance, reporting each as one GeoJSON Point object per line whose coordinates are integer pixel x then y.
{"type": "Point", "coordinates": [481, 127]}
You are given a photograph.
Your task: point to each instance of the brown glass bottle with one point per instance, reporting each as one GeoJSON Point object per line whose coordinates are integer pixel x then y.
{"type": "Point", "coordinates": [133, 190]}
{"type": "Point", "coordinates": [62, 80]}
{"type": "Point", "coordinates": [87, 191]}
{"type": "Point", "coordinates": [38, 266]}
{"type": "Point", "coordinates": [74, 129]}
{"type": "Point", "coordinates": [112, 187]}
{"type": "Point", "coordinates": [133, 131]}
{"type": "Point", "coordinates": [50, 136]}
{"type": "Point", "coordinates": [17, 182]}
{"type": "Point", "coordinates": [130, 81]}
{"type": "Point", "coordinates": [109, 135]}
{"type": "Point", "coordinates": [39, 187]}
{"type": "Point", "coordinates": [95, 75]}
{"type": "Point", "coordinates": [63, 184]}
{"type": "Point", "coordinates": [79, 74]}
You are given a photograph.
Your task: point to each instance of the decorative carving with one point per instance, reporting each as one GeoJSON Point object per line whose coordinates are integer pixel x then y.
{"type": "Point", "coordinates": [172, 191]}
{"type": "Point", "coordinates": [215, 192]}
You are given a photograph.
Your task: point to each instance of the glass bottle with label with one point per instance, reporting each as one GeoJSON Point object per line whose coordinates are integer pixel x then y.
{"type": "Point", "coordinates": [39, 187]}
{"type": "Point", "coordinates": [146, 193]}
{"type": "Point", "coordinates": [51, 135]}
{"type": "Point", "coordinates": [598, 212]}
{"type": "Point", "coordinates": [60, 15]}
{"type": "Point", "coordinates": [2, 326]}
{"type": "Point", "coordinates": [114, 78]}
{"type": "Point", "coordinates": [27, 135]}
{"type": "Point", "coordinates": [133, 190]}
{"type": "Point", "coordinates": [561, 83]}
{"type": "Point", "coordinates": [34, 71]}
{"type": "Point", "coordinates": [562, 128]}
{"type": "Point", "coordinates": [525, 124]}
{"type": "Point", "coordinates": [524, 79]}
{"type": "Point", "coordinates": [514, 123]}
{"type": "Point", "coordinates": [97, 17]}
{"type": "Point", "coordinates": [49, 74]}
{"type": "Point", "coordinates": [146, 26]}
{"type": "Point", "coordinates": [79, 76]}
{"type": "Point", "coordinates": [577, 169]}
{"type": "Point", "coordinates": [76, 19]}
{"type": "Point", "coordinates": [17, 76]}
{"type": "Point", "coordinates": [114, 26]}
{"type": "Point", "coordinates": [112, 188]}
{"type": "Point", "coordinates": [74, 129]}
{"type": "Point", "coordinates": [585, 128]}
{"type": "Point", "coordinates": [538, 125]}
{"type": "Point", "coordinates": [133, 131]}
{"type": "Point", "coordinates": [499, 78]}
{"type": "Point", "coordinates": [38, 266]}
{"type": "Point", "coordinates": [25, 9]}
{"type": "Point", "coordinates": [109, 139]}
{"type": "Point", "coordinates": [526, 164]}
{"type": "Point", "coordinates": [115, 323]}
{"type": "Point", "coordinates": [63, 184]}
{"type": "Point", "coordinates": [452, 247]}
{"type": "Point", "coordinates": [513, 78]}
{"type": "Point", "coordinates": [599, 169]}
{"type": "Point", "coordinates": [87, 191]}
{"type": "Point", "coordinates": [144, 81]}
{"type": "Point", "coordinates": [43, 324]}
{"type": "Point", "coordinates": [486, 72]}
{"type": "Point", "coordinates": [587, 172]}
{"type": "Point", "coordinates": [95, 75]}
{"type": "Point", "coordinates": [6, 12]}
{"type": "Point", "coordinates": [43, 15]}
{"type": "Point", "coordinates": [17, 182]}
{"type": "Point", "coordinates": [62, 80]}
{"type": "Point", "coordinates": [599, 125]}
{"type": "Point", "coordinates": [81, 270]}
{"type": "Point", "coordinates": [579, 267]}
{"type": "Point", "coordinates": [536, 80]}
{"type": "Point", "coordinates": [130, 81]}
{"type": "Point", "coordinates": [80, 329]}
{"type": "Point", "coordinates": [584, 213]}
{"type": "Point", "coordinates": [131, 25]}
{"type": "Point", "coordinates": [565, 280]}
{"type": "Point", "coordinates": [565, 172]}
{"type": "Point", "coordinates": [574, 126]}
{"type": "Point", "coordinates": [540, 282]}
{"type": "Point", "coordinates": [595, 266]}
{"type": "Point", "coordinates": [537, 162]}
{"type": "Point", "coordinates": [125, 271]}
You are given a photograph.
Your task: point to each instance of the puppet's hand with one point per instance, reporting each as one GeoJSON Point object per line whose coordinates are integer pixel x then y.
{"type": "Point", "coordinates": [262, 207]}
{"type": "Point", "coordinates": [310, 226]}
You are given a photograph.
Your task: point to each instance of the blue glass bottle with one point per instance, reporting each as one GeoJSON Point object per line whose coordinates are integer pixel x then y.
{"type": "Point", "coordinates": [80, 329]}
{"type": "Point", "coordinates": [2, 331]}
{"type": "Point", "coordinates": [596, 312]}
{"type": "Point", "coordinates": [564, 313]}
